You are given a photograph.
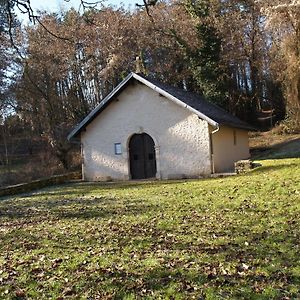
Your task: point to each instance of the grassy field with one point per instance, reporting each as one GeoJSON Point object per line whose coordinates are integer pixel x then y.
{"type": "Point", "coordinates": [227, 238]}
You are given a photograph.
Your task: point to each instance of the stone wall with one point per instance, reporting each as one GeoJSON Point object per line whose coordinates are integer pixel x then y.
{"type": "Point", "coordinates": [37, 184]}
{"type": "Point", "coordinates": [181, 138]}
{"type": "Point", "coordinates": [242, 166]}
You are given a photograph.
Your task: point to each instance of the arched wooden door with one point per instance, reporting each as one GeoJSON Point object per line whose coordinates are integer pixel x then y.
{"type": "Point", "coordinates": [142, 156]}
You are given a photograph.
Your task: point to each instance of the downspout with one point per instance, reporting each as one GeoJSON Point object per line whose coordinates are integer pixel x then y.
{"type": "Point", "coordinates": [212, 149]}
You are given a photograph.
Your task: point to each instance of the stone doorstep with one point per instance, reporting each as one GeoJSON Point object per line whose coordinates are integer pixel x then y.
{"type": "Point", "coordinates": [220, 175]}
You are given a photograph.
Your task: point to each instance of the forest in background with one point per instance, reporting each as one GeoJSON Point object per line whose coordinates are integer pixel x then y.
{"type": "Point", "coordinates": [242, 55]}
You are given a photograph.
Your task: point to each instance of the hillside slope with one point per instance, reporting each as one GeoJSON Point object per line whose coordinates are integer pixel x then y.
{"type": "Point", "coordinates": [226, 238]}
{"type": "Point", "coordinates": [269, 145]}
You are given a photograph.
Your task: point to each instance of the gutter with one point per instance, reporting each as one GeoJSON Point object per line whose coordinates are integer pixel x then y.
{"type": "Point", "coordinates": [108, 98]}
{"type": "Point", "coordinates": [212, 150]}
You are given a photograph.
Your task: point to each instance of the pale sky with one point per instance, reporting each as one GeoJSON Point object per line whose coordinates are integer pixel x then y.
{"type": "Point", "coordinates": [56, 5]}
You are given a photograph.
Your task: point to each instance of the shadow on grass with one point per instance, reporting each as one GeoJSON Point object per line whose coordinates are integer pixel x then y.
{"type": "Point", "coordinates": [178, 265]}
{"type": "Point", "coordinates": [184, 274]}
{"type": "Point", "coordinates": [290, 149]}
{"type": "Point", "coordinates": [98, 207]}
{"type": "Point", "coordinates": [124, 185]}
{"type": "Point", "coordinates": [190, 278]}
{"type": "Point", "coordinates": [277, 155]}
{"type": "Point", "coordinates": [82, 188]}
{"type": "Point", "coordinates": [266, 169]}
{"type": "Point", "coordinates": [107, 212]}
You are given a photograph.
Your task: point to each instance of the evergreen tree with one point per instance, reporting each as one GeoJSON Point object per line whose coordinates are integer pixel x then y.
{"type": "Point", "coordinates": [205, 61]}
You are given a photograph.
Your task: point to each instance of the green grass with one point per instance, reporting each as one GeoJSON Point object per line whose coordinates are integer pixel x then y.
{"type": "Point", "coordinates": [289, 149]}
{"type": "Point", "coordinates": [228, 238]}
{"type": "Point", "coordinates": [9, 173]}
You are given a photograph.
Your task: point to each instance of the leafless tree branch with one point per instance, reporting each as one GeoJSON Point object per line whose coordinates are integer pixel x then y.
{"type": "Point", "coordinates": [147, 4]}
{"type": "Point", "coordinates": [25, 7]}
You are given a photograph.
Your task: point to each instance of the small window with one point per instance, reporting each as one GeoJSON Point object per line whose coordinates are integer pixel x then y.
{"type": "Point", "coordinates": [118, 148]}
{"type": "Point", "coordinates": [234, 137]}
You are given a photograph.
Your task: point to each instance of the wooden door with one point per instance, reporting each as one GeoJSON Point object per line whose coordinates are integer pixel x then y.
{"type": "Point", "coordinates": [142, 156]}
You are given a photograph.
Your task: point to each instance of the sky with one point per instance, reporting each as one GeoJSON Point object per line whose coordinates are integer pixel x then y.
{"type": "Point", "coordinates": [56, 5]}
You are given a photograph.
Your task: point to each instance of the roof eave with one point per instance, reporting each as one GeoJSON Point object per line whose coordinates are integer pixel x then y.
{"type": "Point", "coordinates": [108, 98]}
{"type": "Point", "coordinates": [243, 127]}
{"type": "Point", "coordinates": [94, 112]}
{"type": "Point", "coordinates": [174, 99]}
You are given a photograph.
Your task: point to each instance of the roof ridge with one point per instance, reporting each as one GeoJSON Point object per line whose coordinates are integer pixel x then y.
{"type": "Point", "coordinates": [195, 103]}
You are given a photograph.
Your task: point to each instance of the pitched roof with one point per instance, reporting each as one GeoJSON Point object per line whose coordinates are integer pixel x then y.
{"type": "Point", "coordinates": [195, 103]}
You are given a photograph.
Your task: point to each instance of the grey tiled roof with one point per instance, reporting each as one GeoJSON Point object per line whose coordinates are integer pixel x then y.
{"type": "Point", "coordinates": [197, 104]}
{"type": "Point", "coordinates": [214, 112]}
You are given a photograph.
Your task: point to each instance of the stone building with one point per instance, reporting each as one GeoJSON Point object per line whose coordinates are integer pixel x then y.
{"type": "Point", "coordinates": [146, 129]}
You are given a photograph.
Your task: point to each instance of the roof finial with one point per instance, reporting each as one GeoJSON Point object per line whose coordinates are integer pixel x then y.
{"type": "Point", "coordinates": [139, 65]}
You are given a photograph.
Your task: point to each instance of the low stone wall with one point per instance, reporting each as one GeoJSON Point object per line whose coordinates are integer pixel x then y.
{"type": "Point", "coordinates": [37, 184]}
{"type": "Point", "coordinates": [242, 166]}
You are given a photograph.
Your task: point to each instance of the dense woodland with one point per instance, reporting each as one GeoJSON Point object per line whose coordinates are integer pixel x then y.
{"type": "Point", "coordinates": [243, 55]}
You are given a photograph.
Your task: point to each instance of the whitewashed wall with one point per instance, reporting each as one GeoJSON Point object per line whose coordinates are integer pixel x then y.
{"type": "Point", "coordinates": [225, 152]}
{"type": "Point", "coordinates": [181, 138]}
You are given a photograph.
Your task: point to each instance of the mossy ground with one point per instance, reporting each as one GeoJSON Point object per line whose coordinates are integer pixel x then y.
{"type": "Point", "coordinates": [227, 238]}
